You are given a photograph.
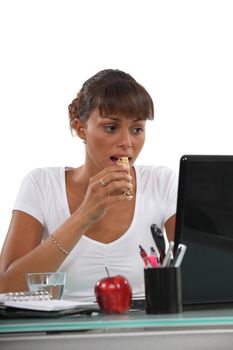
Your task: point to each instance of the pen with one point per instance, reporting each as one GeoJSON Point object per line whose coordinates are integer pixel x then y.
{"type": "Point", "coordinates": [159, 240]}
{"type": "Point", "coordinates": [179, 255]}
{"type": "Point", "coordinates": [144, 256]}
{"type": "Point", "coordinates": [168, 256]}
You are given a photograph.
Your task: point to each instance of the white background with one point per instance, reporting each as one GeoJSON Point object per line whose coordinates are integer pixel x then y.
{"type": "Point", "coordinates": [180, 50]}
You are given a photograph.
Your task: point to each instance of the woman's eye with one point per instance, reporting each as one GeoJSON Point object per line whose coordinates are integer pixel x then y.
{"type": "Point", "coordinates": [110, 128]}
{"type": "Point", "coordinates": [137, 130]}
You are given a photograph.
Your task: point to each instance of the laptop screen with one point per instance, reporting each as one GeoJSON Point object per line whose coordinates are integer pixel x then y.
{"type": "Point", "coordinates": [205, 224]}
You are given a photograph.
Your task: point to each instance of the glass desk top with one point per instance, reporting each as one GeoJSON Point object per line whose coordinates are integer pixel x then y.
{"type": "Point", "coordinates": [133, 320]}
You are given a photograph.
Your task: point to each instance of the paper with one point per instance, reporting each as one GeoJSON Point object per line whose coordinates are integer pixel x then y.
{"type": "Point", "coordinates": [47, 305]}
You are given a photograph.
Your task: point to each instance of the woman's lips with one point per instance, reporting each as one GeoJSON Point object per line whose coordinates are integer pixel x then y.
{"type": "Point", "coordinates": [114, 159]}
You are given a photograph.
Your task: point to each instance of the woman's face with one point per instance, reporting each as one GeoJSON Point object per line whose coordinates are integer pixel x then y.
{"type": "Point", "coordinates": [112, 136]}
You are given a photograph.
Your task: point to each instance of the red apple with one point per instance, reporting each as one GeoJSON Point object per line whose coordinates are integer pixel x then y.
{"type": "Point", "coordinates": [113, 294]}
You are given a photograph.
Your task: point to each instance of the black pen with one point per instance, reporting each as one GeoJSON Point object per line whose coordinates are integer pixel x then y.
{"type": "Point", "coordinates": [179, 255]}
{"type": "Point", "coordinates": [159, 240]}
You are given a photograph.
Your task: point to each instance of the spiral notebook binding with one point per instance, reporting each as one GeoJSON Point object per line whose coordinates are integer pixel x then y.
{"type": "Point", "coordinates": [25, 296]}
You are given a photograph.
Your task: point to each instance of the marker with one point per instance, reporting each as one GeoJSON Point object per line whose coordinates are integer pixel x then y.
{"type": "Point", "coordinates": [152, 258]}
{"type": "Point", "coordinates": [154, 251]}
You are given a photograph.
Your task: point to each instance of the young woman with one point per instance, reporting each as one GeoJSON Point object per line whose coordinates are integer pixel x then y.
{"type": "Point", "coordinates": [79, 220]}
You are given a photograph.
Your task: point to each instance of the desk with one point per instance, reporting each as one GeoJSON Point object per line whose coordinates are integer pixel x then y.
{"type": "Point", "coordinates": [203, 329]}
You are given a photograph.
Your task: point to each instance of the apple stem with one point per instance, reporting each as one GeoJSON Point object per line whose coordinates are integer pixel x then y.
{"type": "Point", "coordinates": [107, 271]}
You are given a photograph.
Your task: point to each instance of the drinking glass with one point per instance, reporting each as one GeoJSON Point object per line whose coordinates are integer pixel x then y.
{"type": "Point", "coordinates": [47, 282]}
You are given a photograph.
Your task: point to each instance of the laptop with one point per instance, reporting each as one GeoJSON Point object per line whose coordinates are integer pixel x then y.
{"type": "Point", "coordinates": [205, 224]}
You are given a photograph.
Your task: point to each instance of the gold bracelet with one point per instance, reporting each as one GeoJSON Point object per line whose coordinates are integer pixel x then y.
{"type": "Point", "coordinates": [58, 245]}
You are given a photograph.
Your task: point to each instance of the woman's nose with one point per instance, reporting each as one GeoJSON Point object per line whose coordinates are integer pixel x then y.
{"type": "Point", "coordinates": [125, 140]}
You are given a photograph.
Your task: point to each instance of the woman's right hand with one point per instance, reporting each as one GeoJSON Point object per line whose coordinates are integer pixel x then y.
{"type": "Point", "coordinates": [104, 190]}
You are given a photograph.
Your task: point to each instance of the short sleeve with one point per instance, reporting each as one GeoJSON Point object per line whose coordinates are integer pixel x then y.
{"type": "Point", "coordinates": [28, 199]}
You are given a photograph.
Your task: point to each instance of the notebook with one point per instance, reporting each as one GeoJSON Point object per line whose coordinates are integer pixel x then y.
{"type": "Point", "coordinates": [39, 304]}
{"type": "Point", "coordinates": [205, 224]}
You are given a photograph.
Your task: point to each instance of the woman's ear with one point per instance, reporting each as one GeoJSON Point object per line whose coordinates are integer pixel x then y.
{"type": "Point", "coordinates": [80, 128]}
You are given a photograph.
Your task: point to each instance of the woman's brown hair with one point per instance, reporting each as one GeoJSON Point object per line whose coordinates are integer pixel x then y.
{"type": "Point", "coordinates": [113, 92]}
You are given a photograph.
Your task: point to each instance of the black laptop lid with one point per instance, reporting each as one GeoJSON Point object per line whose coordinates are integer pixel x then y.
{"type": "Point", "coordinates": [205, 224]}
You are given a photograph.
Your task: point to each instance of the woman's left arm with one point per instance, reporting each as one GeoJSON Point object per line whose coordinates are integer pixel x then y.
{"type": "Point", "coordinates": [170, 228]}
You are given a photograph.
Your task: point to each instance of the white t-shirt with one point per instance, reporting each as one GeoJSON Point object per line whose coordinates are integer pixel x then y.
{"type": "Point", "coordinates": [43, 195]}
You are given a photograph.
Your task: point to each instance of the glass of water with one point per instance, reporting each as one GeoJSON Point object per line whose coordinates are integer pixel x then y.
{"type": "Point", "coordinates": [47, 282]}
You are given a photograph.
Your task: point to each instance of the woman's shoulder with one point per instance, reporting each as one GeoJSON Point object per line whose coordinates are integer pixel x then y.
{"type": "Point", "coordinates": [159, 181]}
{"type": "Point", "coordinates": [43, 171]}
{"type": "Point", "coordinates": [40, 175]}
{"type": "Point", "coordinates": [151, 171]}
